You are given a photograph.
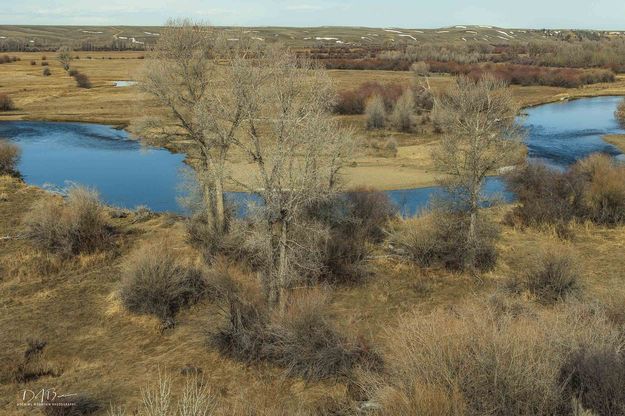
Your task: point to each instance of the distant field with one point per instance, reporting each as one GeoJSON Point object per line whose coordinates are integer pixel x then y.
{"type": "Point", "coordinates": [140, 37]}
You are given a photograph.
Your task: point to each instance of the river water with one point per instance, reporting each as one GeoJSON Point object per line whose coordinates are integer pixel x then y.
{"type": "Point", "coordinates": [127, 174]}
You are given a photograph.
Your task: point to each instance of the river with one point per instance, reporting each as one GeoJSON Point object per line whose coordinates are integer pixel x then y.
{"type": "Point", "coordinates": [127, 174]}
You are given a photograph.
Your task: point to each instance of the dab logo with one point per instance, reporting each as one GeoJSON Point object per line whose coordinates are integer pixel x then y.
{"type": "Point", "coordinates": [45, 397]}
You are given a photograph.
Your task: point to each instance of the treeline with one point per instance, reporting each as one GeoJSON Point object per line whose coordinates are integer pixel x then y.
{"type": "Point", "coordinates": [526, 74]}
{"type": "Point", "coordinates": [512, 73]}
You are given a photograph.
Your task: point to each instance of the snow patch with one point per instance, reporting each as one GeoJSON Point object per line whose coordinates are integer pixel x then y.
{"type": "Point", "coordinates": [328, 38]}
{"type": "Point", "coordinates": [409, 36]}
{"type": "Point", "coordinates": [392, 31]}
{"type": "Point", "coordinates": [460, 27]}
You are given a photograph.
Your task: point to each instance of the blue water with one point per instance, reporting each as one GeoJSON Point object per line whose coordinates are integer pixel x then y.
{"type": "Point", "coordinates": [128, 174]}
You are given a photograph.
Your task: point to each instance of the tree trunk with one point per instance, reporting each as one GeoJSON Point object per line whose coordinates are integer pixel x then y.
{"type": "Point", "coordinates": [283, 266]}
{"type": "Point", "coordinates": [220, 214]}
{"type": "Point", "coordinates": [472, 232]}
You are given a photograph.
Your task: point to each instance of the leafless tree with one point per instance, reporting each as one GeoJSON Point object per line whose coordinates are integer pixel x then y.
{"type": "Point", "coordinates": [64, 55]}
{"type": "Point", "coordinates": [403, 112]}
{"type": "Point", "coordinates": [190, 75]}
{"type": "Point", "coordinates": [297, 149]}
{"type": "Point", "coordinates": [376, 112]}
{"type": "Point", "coordinates": [480, 135]}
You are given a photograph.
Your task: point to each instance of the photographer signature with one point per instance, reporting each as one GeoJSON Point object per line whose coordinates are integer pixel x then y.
{"type": "Point", "coordinates": [45, 396]}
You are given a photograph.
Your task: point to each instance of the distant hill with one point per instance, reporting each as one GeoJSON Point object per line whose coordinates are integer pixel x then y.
{"type": "Point", "coordinates": [21, 38]}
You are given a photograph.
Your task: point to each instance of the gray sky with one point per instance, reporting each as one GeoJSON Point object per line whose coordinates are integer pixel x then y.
{"type": "Point", "coordinates": [583, 14]}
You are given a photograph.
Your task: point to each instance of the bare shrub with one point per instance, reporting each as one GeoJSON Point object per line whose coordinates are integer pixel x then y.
{"type": "Point", "coordinates": [6, 103]}
{"type": "Point", "coordinates": [620, 113]}
{"type": "Point", "coordinates": [352, 222]}
{"type": "Point", "coordinates": [604, 195]}
{"type": "Point", "coordinates": [303, 340]}
{"type": "Point", "coordinates": [45, 63]}
{"type": "Point", "coordinates": [65, 57]}
{"type": "Point", "coordinates": [376, 113]}
{"type": "Point", "coordinates": [473, 360]}
{"type": "Point", "coordinates": [596, 378]}
{"type": "Point", "coordinates": [244, 334]}
{"type": "Point", "coordinates": [82, 81]}
{"type": "Point", "coordinates": [46, 72]}
{"type": "Point", "coordinates": [354, 101]}
{"type": "Point", "coordinates": [72, 72]}
{"type": "Point", "coordinates": [402, 117]}
{"type": "Point", "coordinates": [33, 62]}
{"type": "Point", "coordinates": [307, 344]}
{"type": "Point", "coordinates": [9, 157]}
{"type": "Point", "coordinates": [437, 239]}
{"type": "Point", "coordinates": [593, 189]}
{"type": "Point", "coordinates": [157, 282]}
{"type": "Point", "coordinates": [373, 209]}
{"type": "Point", "coordinates": [551, 274]}
{"type": "Point", "coordinates": [157, 399]}
{"type": "Point", "coordinates": [423, 98]}
{"type": "Point", "coordinates": [545, 196]}
{"type": "Point", "coordinates": [420, 68]}
{"type": "Point", "coordinates": [77, 225]}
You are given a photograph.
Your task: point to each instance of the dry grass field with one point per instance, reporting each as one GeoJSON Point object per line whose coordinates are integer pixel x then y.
{"type": "Point", "coordinates": [95, 347]}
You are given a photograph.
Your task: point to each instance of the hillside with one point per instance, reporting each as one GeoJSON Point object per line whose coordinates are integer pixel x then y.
{"type": "Point", "coordinates": [139, 37]}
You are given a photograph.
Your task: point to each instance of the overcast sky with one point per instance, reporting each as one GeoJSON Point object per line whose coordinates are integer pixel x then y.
{"type": "Point", "coordinates": [583, 14]}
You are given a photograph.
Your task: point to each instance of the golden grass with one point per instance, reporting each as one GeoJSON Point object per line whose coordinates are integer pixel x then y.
{"type": "Point", "coordinates": [102, 350]}
{"type": "Point", "coordinates": [617, 140]}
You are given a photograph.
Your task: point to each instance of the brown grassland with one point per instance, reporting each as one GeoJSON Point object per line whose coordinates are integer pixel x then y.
{"type": "Point", "coordinates": [95, 346]}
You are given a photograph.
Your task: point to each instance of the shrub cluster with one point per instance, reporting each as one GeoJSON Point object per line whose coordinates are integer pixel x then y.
{"type": "Point", "coordinates": [477, 360]}
{"type": "Point", "coordinates": [354, 101]}
{"type": "Point", "coordinates": [75, 226]}
{"type": "Point", "coordinates": [550, 274]}
{"type": "Point", "coordinates": [439, 239]}
{"type": "Point", "coordinates": [6, 59]}
{"type": "Point", "coordinates": [46, 72]}
{"type": "Point", "coordinates": [6, 103]}
{"type": "Point", "coordinates": [9, 157]}
{"type": "Point", "coordinates": [592, 189]}
{"type": "Point", "coordinates": [156, 282]}
{"type": "Point", "coordinates": [303, 340]}
{"type": "Point", "coordinates": [82, 80]}
{"type": "Point", "coordinates": [352, 221]}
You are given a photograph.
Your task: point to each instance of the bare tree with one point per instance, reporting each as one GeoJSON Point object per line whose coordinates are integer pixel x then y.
{"type": "Point", "coordinates": [297, 149]}
{"type": "Point", "coordinates": [64, 55]}
{"type": "Point", "coordinates": [403, 112]}
{"type": "Point", "coordinates": [185, 76]}
{"type": "Point", "coordinates": [376, 112]}
{"type": "Point", "coordinates": [480, 135]}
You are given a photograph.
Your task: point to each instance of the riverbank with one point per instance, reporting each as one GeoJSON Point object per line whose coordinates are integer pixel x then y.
{"type": "Point", "coordinates": [617, 140]}
{"type": "Point", "coordinates": [57, 98]}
